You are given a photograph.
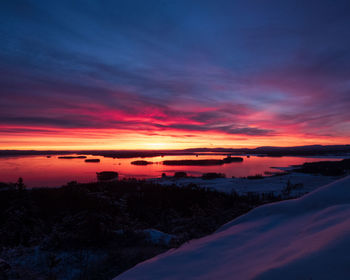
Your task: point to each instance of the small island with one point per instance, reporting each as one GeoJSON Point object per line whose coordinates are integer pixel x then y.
{"type": "Point", "coordinates": [71, 157]}
{"type": "Point", "coordinates": [141, 162]}
{"type": "Point", "coordinates": [106, 175]}
{"type": "Point", "coordinates": [92, 160]}
{"type": "Point", "coordinates": [203, 162]}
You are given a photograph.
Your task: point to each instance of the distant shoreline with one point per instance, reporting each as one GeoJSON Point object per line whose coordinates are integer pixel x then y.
{"type": "Point", "coordinates": [313, 150]}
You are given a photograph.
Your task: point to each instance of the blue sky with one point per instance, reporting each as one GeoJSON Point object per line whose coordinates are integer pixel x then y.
{"type": "Point", "coordinates": [228, 69]}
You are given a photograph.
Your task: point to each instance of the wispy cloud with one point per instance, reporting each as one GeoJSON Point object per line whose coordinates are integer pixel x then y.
{"type": "Point", "coordinates": [271, 71]}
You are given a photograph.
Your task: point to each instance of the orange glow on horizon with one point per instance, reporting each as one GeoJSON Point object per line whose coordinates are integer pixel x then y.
{"type": "Point", "coordinates": [109, 139]}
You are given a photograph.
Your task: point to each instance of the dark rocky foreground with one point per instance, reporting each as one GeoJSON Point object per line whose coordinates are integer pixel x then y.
{"type": "Point", "coordinates": [98, 230]}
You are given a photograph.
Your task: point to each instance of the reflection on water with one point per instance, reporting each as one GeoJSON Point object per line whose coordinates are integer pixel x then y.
{"type": "Point", "coordinates": [52, 171]}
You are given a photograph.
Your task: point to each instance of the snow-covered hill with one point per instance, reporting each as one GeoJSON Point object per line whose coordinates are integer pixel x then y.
{"type": "Point", "coordinates": [306, 238]}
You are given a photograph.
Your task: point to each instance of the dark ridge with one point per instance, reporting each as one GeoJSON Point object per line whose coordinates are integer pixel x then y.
{"type": "Point", "coordinates": [310, 150]}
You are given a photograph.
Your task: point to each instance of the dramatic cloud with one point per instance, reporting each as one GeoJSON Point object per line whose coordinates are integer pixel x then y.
{"type": "Point", "coordinates": [185, 73]}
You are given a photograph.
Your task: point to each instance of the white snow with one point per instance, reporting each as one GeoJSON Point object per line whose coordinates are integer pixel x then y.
{"type": "Point", "coordinates": [274, 184]}
{"type": "Point", "coordinates": [305, 238]}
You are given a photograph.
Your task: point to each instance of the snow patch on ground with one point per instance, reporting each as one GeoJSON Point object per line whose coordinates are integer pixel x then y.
{"type": "Point", "coordinates": [305, 238]}
{"type": "Point", "coordinates": [158, 237]}
{"type": "Point", "coordinates": [275, 184]}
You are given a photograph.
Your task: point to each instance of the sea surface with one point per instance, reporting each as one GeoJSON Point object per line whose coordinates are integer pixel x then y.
{"type": "Point", "coordinates": [42, 171]}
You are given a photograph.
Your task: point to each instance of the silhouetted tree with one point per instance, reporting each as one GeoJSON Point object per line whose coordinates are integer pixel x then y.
{"type": "Point", "coordinates": [20, 185]}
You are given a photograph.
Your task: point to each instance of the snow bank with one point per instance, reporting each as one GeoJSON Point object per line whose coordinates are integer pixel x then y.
{"type": "Point", "coordinates": [275, 184]}
{"type": "Point", "coordinates": [305, 238]}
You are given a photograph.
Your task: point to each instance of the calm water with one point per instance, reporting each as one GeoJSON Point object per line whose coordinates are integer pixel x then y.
{"type": "Point", "coordinates": [42, 171]}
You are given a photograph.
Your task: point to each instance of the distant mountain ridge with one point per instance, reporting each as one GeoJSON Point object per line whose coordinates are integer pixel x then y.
{"type": "Point", "coordinates": [309, 150]}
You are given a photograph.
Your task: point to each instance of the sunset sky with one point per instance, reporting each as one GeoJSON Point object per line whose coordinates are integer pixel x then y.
{"type": "Point", "coordinates": [173, 74]}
